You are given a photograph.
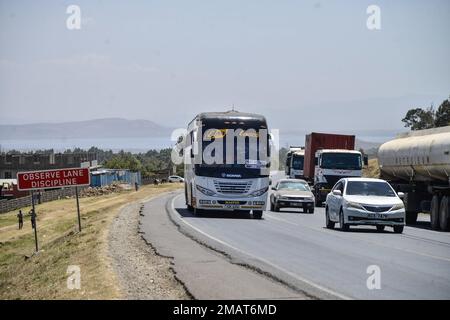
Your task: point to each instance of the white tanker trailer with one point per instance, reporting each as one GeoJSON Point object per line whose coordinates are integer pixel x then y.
{"type": "Point", "coordinates": [418, 164]}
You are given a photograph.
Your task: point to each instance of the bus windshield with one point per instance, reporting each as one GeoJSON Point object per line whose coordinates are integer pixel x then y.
{"type": "Point", "coordinates": [233, 151]}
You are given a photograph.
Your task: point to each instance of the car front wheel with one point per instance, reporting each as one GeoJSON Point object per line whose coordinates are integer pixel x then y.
{"type": "Point", "coordinates": [342, 224]}
{"type": "Point", "coordinates": [398, 229]}
{"type": "Point", "coordinates": [276, 208]}
{"type": "Point", "coordinates": [328, 222]}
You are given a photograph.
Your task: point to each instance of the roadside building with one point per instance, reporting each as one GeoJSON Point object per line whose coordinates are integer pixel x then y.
{"type": "Point", "coordinates": [10, 164]}
{"type": "Point", "coordinates": [104, 177]}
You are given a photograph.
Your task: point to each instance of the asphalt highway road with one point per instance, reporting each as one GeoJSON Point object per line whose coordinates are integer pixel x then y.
{"type": "Point", "coordinates": [297, 249]}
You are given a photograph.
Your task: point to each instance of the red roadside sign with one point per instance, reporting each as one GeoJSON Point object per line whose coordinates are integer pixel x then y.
{"type": "Point", "coordinates": [49, 179]}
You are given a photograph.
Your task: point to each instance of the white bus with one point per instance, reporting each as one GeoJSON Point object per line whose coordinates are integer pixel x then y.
{"type": "Point", "coordinates": [226, 163]}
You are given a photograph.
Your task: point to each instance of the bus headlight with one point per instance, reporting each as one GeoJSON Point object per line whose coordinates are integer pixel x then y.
{"type": "Point", "coordinates": [259, 192]}
{"type": "Point", "coordinates": [205, 191]}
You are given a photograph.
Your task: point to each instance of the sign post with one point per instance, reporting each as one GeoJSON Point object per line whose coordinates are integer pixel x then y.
{"type": "Point", "coordinates": [78, 209]}
{"type": "Point", "coordinates": [52, 179]}
{"type": "Point", "coordinates": [34, 221]}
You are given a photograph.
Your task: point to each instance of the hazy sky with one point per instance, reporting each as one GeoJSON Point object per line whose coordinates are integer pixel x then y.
{"type": "Point", "coordinates": [304, 64]}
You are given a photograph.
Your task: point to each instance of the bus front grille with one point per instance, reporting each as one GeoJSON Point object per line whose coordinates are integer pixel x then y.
{"type": "Point", "coordinates": [232, 187]}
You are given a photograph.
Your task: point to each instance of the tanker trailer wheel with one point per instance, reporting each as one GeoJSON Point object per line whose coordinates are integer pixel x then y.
{"type": "Point", "coordinates": [434, 212]}
{"type": "Point", "coordinates": [444, 220]}
{"type": "Point", "coordinates": [411, 216]}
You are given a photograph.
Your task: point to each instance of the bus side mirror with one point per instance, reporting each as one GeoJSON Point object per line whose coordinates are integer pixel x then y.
{"type": "Point", "coordinates": [366, 160]}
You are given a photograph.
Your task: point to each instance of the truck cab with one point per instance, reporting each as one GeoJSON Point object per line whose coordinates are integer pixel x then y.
{"type": "Point", "coordinates": [296, 165]}
{"type": "Point", "coordinates": [331, 165]}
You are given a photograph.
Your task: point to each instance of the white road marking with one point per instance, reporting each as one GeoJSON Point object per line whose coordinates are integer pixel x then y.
{"type": "Point", "coordinates": [365, 240]}
{"type": "Point", "coordinates": [312, 284]}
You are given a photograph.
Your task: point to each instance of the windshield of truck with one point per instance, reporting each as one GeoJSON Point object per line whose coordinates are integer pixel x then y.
{"type": "Point", "coordinates": [369, 188]}
{"type": "Point", "coordinates": [291, 185]}
{"type": "Point", "coordinates": [344, 161]}
{"type": "Point", "coordinates": [297, 162]}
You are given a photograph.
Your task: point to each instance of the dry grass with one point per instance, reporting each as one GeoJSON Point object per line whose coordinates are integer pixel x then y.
{"type": "Point", "coordinates": [43, 276]}
{"type": "Point", "coordinates": [372, 170]}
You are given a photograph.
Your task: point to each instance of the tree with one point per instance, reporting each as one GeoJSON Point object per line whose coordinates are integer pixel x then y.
{"type": "Point", "coordinates": [124, 160]}
{"type": "Point", "coordinates": [442, 115]}
{"type": "Point", "coordinates": [418, 118]}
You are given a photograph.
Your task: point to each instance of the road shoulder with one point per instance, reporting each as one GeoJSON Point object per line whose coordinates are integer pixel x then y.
{"type": "Point", "coordinates": [205, 273]}
{"type": "Point", "coordinates": [142, 273]}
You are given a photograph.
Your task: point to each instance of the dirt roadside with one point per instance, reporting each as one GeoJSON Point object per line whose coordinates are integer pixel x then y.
{"type": "Point", "coordinates": [141, 272]}
{"type": "Point", "coordinates": [24, 275]}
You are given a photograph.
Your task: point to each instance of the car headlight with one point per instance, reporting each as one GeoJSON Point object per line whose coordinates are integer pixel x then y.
{"type": "Point", "coordinates": [205, 190]}
{"type": "Point", "coordinates": [398, 206]}
{"type": "Point", "coordinates": [355, 205]}
{"type": "Point", "coordinates": [259, 192]}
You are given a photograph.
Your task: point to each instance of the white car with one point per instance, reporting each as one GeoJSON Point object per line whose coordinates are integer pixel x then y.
{"type": "Point", "coordinates": [364, 201]}
{"type": "Point", "coordinates": [175, 179]}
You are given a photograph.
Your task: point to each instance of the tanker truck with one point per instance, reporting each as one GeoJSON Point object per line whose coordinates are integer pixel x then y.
{"type": "Point", "coordinates": [418, 164]}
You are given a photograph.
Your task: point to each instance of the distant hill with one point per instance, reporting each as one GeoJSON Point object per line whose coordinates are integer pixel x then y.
{"type": "Point", "coordinates": [370, 148]}
{"type": "Point", "coordinates": [98, 128]}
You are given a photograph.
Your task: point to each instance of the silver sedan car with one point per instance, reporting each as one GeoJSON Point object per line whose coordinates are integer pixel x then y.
{"type": "Point", "coordinates": [364, 201]}
{"type": "Point", "coordinates": [292, 193]}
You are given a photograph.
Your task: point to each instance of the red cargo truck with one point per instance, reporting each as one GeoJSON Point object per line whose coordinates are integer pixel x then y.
{"type": "Point", "coordinates": [328, 158]}
{"type": "Point", "coordinates": [315, 141]}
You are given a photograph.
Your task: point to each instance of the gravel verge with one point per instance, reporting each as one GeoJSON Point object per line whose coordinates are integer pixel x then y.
{"type": "Point", "coordinates": [141, 272]}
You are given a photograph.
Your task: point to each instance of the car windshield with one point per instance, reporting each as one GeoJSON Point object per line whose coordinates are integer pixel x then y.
{"type": "Point", "coordinates": [369, 188]}
{"type": "Point", "coordinates": [290, 185]}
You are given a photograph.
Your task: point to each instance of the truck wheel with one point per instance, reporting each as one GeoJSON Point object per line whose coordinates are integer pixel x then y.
{"type": "Point", "coordinates": [257, 214]}
{"type": "Point", "coordinates": [434, 212]}
{"type": "Point", "coordinates": [444, 220]}
{"type": "Point", "coordinates": [380, 228]}
{"type": "Point", "coordinates": [329, 224]}
{"type": "Point", "coordinates": [311, 210]}
{"type": "Point", "coordinates": [410, 201]}
{"type": "Point", "coordinates": [398, 229]}
{"type": "Point", "coordinates": [318, 202]}
{"type": "Point", "coordinates": [342, 224]}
